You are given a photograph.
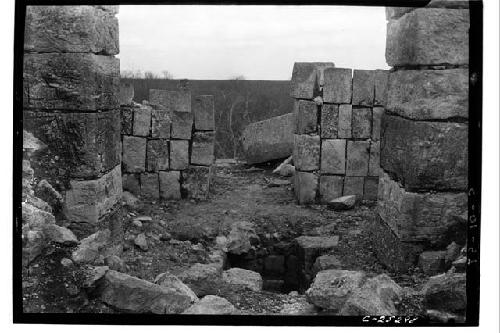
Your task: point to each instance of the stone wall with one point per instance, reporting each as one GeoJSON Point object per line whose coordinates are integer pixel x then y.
{"type": "Point", "coordinates": [337, 131]}
{"type": "Point", "coordinates": [168, 145]}
{"type": "Point", "coordinates": [422, 201]}
{"type": "Point", "coordinates": [70, 85]}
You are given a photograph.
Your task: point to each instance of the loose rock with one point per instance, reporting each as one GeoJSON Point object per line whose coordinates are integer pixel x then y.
{"type": "Point", "coordinates": [343, 203]}
{"type": "Point", "coordinates": [211, 304]}
{"type": "Point", "coordinates": [141, 242]}
{"type": "Point", "coordinates": [446, 292]}
{"type": "Point", "coordinates": [203, 279]}
{"type": "Point", "coordinates": [243, 278]}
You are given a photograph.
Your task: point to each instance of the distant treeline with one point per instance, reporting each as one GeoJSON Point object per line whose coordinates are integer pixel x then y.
{"type": "Point", "coordinates": [237, 104]}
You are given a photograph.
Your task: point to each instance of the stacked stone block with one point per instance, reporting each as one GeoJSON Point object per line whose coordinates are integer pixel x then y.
{"type": "Point", "coordinates": [168, 145]}
{"type": "Point", "coordinates": [422, 199]}
{"type": "Point", "coordinates": [337, 131]}
{"type": "Point", "coordinates": [70, 101]}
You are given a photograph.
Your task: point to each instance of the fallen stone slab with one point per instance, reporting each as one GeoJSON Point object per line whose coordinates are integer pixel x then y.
{"type": "Point", "coordinates": [243, 278]}
{"type": "Point", "coordinates": [446, 292]}
{"type": "Point", "coordinates": [91, 247]}
{"type": "Point", "coordinates": [132, 294]}
{"type": "Point", "coordinates": [325, 262]}
{"type": "Point", "coordinates": [270, 139]}
{"type": "Point", "coordinates": [331, 288]}
{"type": "Point", "coordinates": [211, 305]}
{"type": "Point", "coordinates": [60, 235]}
{"type": "Point", "coordinates": [343, 203]}
{"type": "Point", "coordinates": [202, 279]}
{"type": "Point", "coordinates": [168, 280]}
{"type": "Point", "coordinates": [376, 297]}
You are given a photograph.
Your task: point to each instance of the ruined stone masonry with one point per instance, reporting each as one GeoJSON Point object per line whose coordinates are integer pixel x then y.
{"type": "Point", "coordinates": [336, 147]}
{"type": "Point", "coordinates": [422, 200]}
{"type": "Point", "coordinates": [168, 144]}
{"type": "Point", "coordinates": [70, 102]}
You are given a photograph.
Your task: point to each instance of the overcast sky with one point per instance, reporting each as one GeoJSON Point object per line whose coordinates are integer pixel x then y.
{"type": "Point", "coordinates": [258, 42]}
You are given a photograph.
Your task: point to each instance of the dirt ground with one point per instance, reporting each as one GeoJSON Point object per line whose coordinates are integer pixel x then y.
{"type": "Point", "coordinates": [182, 233]}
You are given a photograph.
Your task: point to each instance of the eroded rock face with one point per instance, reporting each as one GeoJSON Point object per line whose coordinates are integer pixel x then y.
{"type": "Point", "coordinates": [91, 247]}
{"type": "Point", "coordinates": [243, 278]}
{"type": "Point", "coordinates": [331, 288]}
{"type": "Point", "coordinates": [212, 304]}
{"type": "Point", "coordinates": [132, 294]}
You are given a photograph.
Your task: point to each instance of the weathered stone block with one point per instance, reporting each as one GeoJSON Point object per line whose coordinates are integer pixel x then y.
{"type": "Point", "coordinates": [88, 200]}
{"type": "Point", "coordinates": [363, 87]}
{"type": "Point", "coordinates": [307, 78]}
{"type": "Point", "coordinates": [330, 187]}
{"type": "Point", "coordinates": [126, 93]}
{"type": "Point", "coordinates": [361, 123]}
{"type": "Point", "coordinates": [150, 185]}
{"type": "Point", "coordinates": [80, 145]}
{"type": "Point", "coordinates": [179, 154]}
{"type": "Point", "coordinates": [381, 79]}
{"type": "Point", "coordinates": [354, 186]}
{"type": "Point", "coordinates": [345, 121]}
{"type": "Point", "coordinates": [429, 36]}
{"type": "Point", "coordinates": [269, 139]}
{"type": "Point", "coordinates": [202, 148]}
{"type": "Point", "coordinates": [204, 112]}
{"type": "Point", "coordinates": [374, 164]}
{"type": "Point", "coordinates": [134, 154]}
{"type": "Point", "coordinates": [311, 247]}
{"type": "Point", "coordinates": [131, 183]}
{"type": "Point", "coordinates": [142, 120]}
{"type": "Point", "coordinates": [182, 125]}
{"type": "Point", "coordinates": [419, 216]}
{"type": "Point", "coordinates": [429, 94]}
{"type": "Point", "coordinates": [157, 155]}
{"type": "Point", "coordinates": [432, 262]}
{"type": "Point", "coordinates": [170, 186]}
{"type": "Point", "coordinates": [370, 190]}
{"type": "Point", "coordinates": [333, 156]}
{"type": "Point", "coordinates": [197, 181]}
{"type": "Point", "coordinates": [179, 101]}
{"type": "Point", "coordinates": [425, 155]}
{"type": "Point", "coordinates": [70, 81]}
{"type": "Point", "coordinates": [397, 12]}
{"type": "Point", "coordinates": [338, 85]}
{"type": "Point", "coordinates": [127, 117]}
{"type": "Point", "coordinates": [377, 113]}
{"type": "Point", "coordinates": [306, 152]}
{"type": "Point", "coordinates": [305, 187]}
{"type": "Point", "coordinates": [357, 158]}
{"type": "Point", "coordinates": [329, 121]}
{"type": "Point", "coordinates": [306, 117]}
{"type": "Point", "coordinates": [70, 29]}
{"type": "Point", "coordinates": [161, 122]}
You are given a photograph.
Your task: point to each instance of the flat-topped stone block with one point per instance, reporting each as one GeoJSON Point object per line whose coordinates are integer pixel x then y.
{"type": "Point", "coordinates": [179, 154]}
{"type": "Point", "coordinates": [354, 186]}
{"type": "Point", "coordinates": [182, 125]}
{"type": "Point", "coordinates": [150, 186]}
{"type": "Point", "coordinates": [329, 121]}
{"type": "Point", "coordinates": [345, 121]}
{"type": "Point", "coordinates": [157, 154]}
{"type": "Point", "coordinates": [204, 113]}
{"type": "Point", "coordinates": [142, 121]}
{"type": "Point", "coordinates": [361, 123]}
{"type": "Point", "coordinates": [179, 101]}
{"type": "Point", "coordinates": [197, 181]}
{"type": "Point", "coordinates": [306, 152]}
{"type": "Point", "coordinates": [381, 79]}
{"type": "Point", "coordinates": [161, 123]}
{"type": "Point", "coordinates": [170, 186]}
{"type": "Point", "coordinates": [134, 154]}
{"type": "Point", "coordinates": [363, 87]}
{"type": "Point", "coordinates": [357, 158]}
{"type": "Point", "coordinates": [202, 148]}
{"type": "Point", "coordinates": [306, 117]}
{"type": "Point", "coordinates": [428, 36]}
{"type": "Point", "coordinates": [333, 154]}
{"type": "Point", "coordinates": [338, 85]}
{"type": "Point", "coordinates": [307, 78]}
{"type": "Point", "coordinates": [330, 187]}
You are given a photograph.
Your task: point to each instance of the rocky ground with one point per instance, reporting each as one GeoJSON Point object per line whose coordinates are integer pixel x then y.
{"type": "Point", "coordinates": [173, 236]}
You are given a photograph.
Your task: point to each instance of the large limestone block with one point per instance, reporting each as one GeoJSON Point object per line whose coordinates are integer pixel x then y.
{"type": "Point", "coordinates": [429, 94]}
{"type": "Point", "coordinates": [132, 294]}
{"type": "Point", "coordinates": [374, 164]}
{"type": "Point", "coordinates": [305, 187]}
{"type": "Point", "coordinates": [80, 145]}
{"type": "Point", "coordinates": [363, 87]}
{"type": "Point", "coordinates": [150, 185]}
{"type": "Point", "coordinates": [354, 186]}
{"type": "Point", "coordinates": [161, 123]}
{"type": "Point", "coordinates": [179, 101]}
{"type": "Point", "coordinates": [311, 247]}
{"type": "Point", "coordinates": [204, 113]}
{"type": "Point", "coordinates": [333, 156]}
{"type": "Point", "coordinates": [202, 148]}
{"type": "Point", "coordinates": [306, 117]}
{"type": "Point", "coordinates": [243, 278]}
{"type": "Point", "coordinates": [361, 123]}
{"type": "Point", "coordinates": [330, 187]}
{"type": "Point", "coordinates": [345, 121]}
{"type": "Point", "coordinates": [446, 292]}
{"type": "Point", "coordinates": [182, 125]}
{"type": "Point", "coordinates": [428, 36]}
{"type": "Point", "coordinates": [338, 85]}
{"type": "Point", "coordinates": [157, 155]}
{"type": "Point", "coordinates": [377, 113]}
{"type": "Point", "coordinates": [170, 186]}
{"type": "Point", "coordinates": [357, 158]}
{"type": "Point", "coordinates": [142, 121]}
{"type": "Point", "coordinates": [306, 152]}
{"type": "Point", "coordinates": [197, 181]}
{"type": "Point", "coordinates": [203, 279]}
{"type": "Point", "coordinates": [70, 81]}
{"type": "Point", "coordinates": [329, 121]}
{"type": "Point", "coordinates": [307, 77]}
{"type": "Point", "coordinates": [425, 155]}
{"type": "Point", "coordinates": [381, 78]}
{"type": "Point", "coordinates": [419, 216]}
{"type": "Point", "coordinates": [134, 154]}
{"type": "Point", "coordinates": [70, 29]}
{"type": "Point", "coordinates": [269, 139]}
{"type": "Point", "coordinates": [179, 154]}
{"type": "Point", "coordinates": [88, 200]}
